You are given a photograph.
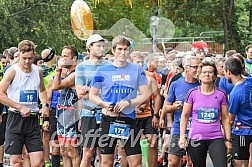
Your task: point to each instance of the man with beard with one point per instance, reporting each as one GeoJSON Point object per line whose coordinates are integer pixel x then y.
{"type": "Point", "coordinates": [67, 107]}
{"type": "Point", "coordinates": [240, 110]}
{"type": "Point", "coordinates": [90, 112]}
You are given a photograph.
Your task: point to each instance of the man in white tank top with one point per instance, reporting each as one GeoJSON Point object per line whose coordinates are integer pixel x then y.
{"type": "Point", "coordinates": [23, 83]}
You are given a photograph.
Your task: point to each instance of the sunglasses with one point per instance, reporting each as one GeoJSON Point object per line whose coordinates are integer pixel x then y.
{"type": "Point", "coordinates": [195, 67]}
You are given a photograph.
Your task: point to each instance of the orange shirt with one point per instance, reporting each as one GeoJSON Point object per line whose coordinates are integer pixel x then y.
{"type": "Point", "coordinates": [147, 110]}
{"type": "Point", "coordinates": [157, 76]}
{"type": "Point", "coordinates": [146, 113]}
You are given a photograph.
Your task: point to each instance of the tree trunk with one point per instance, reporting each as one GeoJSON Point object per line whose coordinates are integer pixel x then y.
{"type": "Point", "coordinates": [232, 39]}
{"type": "Point", "coordinates": [225, 25]}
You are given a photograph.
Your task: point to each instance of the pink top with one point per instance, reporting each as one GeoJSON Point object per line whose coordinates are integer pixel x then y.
{"type": "Point", "coordinates": [206, 110]}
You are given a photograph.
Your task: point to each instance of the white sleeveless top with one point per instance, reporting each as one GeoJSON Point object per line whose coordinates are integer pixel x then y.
{"type": "Point", "coordinates": [24, 88]}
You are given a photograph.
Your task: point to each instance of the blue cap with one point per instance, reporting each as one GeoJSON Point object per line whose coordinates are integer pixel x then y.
{"type": "Point", "coordinates": [132, 43]}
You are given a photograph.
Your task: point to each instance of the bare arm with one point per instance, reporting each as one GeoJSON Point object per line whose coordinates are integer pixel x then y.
{"type": "Point", "coordinates": [226, 126]}
{"type": "Point", "coordinates": [4, 84]}
{"type": "Point", "coordinates": [67, 82]}
{"type": "Point", "coordinates": [145, 93]}
{"type": "Point", "coordinates": [164, 113]}
{"type": "Point", "coordinates": [43, 96]}
{"type": "Point", "coordinates": [183, 124]}
{"type": "Point", "coordinates": [226, 121]}
{"type": "Point", "coordinates": [49, 91]}
{"type": "Point", "coordinates": [82, 91]}
{"type": "Point", "coordinates": [169, 120]}
{"type": "Point", "coordinates": [184, 119]}
{"type": "Point", "coordinates": [157, 97]}
{"type": "Point", "coordinates": [42, 90]}
{"type": "Point", "coordinates": [95, 98]}
{"type": "Point", "coordinates": [171, 107]}
{"type": "Point", "coordinates": [232, 118]}
{"type": "Point", "coordinates": [157, 102]}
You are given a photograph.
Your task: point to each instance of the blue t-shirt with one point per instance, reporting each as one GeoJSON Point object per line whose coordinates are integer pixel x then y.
{"type": "Point", "coordinates": [225, 85]}
{"type": "Point", "coordinates": [6, 68]}
{"type": "Point", "coordinates": [177, 92]}
{"type": "Point", "coordinates": [84, 74]}
{"type": "Point", "coordinates": [55, 96]}
{"type": "Point", "coordinates": [240, 104]}
{"type": "Point", "coordinates": [120, 83]}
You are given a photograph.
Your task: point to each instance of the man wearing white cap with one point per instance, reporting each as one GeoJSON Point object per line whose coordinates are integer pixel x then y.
{"type": "Point", "coordinates": [90, 113]}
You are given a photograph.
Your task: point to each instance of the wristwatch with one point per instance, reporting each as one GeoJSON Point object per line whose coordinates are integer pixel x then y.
{"type": "Point", "coordinates": [45, 104]}
{"type": "Point", "coordinates": [141, 109]}
{"type": "Point", "coordinates": [228, 140]}
{"type": "Point", "coordinates": [156, 115]}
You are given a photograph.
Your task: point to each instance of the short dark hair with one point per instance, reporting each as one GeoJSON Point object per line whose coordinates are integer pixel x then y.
{"type": "Point", "coordinates": [209, 62]}
{"type": "Point", "coordinates": [229, 53]}
{"type": "Point", "coordinates": [74, 51]}
{"type": "Point", "coordinates": [233, 65]}
{"type": "Point", "coordinates": [238, 56]}
{"type": "Point", "coordinates": [36, 59]}
{"type": "Point", "coordinates": [120, 40]}
{"type": "Point", "coordinates": [26, 46]}
{"type": "Point", "coordinates": [247, 47]}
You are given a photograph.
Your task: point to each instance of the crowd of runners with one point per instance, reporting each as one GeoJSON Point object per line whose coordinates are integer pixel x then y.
{"type": "Point", "coordinates": [111, 110]}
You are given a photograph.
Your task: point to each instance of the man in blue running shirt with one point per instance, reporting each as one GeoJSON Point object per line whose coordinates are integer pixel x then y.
{"type": "Point", "coordinates": [240, 109]}
{"type": "Point", "coordinates": [119, 83]}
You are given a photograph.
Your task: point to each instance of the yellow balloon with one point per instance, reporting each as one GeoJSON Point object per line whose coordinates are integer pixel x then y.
{"type": "Point", "coordinates": [81, 19]}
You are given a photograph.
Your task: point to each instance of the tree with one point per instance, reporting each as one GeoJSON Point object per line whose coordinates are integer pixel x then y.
{"type": "Point", "coordinates": [47, 23]}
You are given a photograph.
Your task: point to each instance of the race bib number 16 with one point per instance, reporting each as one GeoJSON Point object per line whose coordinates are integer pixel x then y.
{"type": "Point", "coordinates": [28, 96]}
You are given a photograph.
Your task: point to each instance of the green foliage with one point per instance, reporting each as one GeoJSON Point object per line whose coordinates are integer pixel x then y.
{"type": "Point", "coordinates": [47, 23]}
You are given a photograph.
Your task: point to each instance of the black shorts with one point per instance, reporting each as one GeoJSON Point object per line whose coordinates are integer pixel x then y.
{"type": "Point", "coordinates": [22, 131]}
{"type": "Point", "coordinates": [3, 129]}
{"type": "Point", "coordinates": [241, 146]}
{"type": "Point", "coordinates": [174, 148]}
{"type": "Point", "coordinates": [53, 124]}
{"type": "Point", "coordinates": [146, 125]}
{"type": "Point", "coordinates": [89, 132]}
{"type": "Point", "coordinates": [108, 144]}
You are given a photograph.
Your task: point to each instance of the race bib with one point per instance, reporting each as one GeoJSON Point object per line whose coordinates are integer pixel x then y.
{"type": "Point", "coordinates": [98, 116]}
{"type": "Point", "coordinates": [28, 96]}
{"type": "Point", "coordinates": [119, 130]}
{"type": "Point", "coordinates": [207, 114]}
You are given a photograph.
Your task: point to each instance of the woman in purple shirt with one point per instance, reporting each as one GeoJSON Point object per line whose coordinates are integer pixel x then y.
{"type": "Point", "coordinates": [207, 104]}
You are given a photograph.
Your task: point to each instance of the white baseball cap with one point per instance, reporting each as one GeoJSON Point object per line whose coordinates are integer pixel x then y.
{"type": "Point", "coordinates": [94, 38]}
